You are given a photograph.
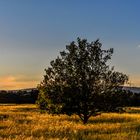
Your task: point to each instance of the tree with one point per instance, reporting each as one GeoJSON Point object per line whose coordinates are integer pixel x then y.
{"type": "Point", "coordinates": [77, 80]}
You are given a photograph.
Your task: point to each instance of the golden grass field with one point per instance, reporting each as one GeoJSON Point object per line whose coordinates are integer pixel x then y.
{"type": "Point", "coordinates": [25, 122]}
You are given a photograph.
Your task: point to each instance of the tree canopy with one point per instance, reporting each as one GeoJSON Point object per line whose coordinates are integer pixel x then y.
{"type": "Point", "coordinates": [78, 80]}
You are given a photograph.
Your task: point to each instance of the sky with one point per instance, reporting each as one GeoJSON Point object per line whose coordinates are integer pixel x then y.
{"type": "Point", "coordinates": [33, 32]}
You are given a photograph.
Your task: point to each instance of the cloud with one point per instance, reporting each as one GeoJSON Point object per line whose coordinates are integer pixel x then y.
{"type": "Point", "coordinates": [17, 82]}
{"type": "Point", "coordinates": [139, 46]}
{"type": "Point", "coordinates": [7, 79]}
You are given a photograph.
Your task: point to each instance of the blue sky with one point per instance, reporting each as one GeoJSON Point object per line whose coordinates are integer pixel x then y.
{"type": "Point", "coordinates": [32, 32]}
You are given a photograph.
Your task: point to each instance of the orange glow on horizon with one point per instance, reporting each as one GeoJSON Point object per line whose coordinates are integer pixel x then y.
{"type": "Point", "coordinates": [12, 83]}
{"type": "Point", "coordinates": [134, 81]}
{"type": "Point", "coordinates": [21, 82]}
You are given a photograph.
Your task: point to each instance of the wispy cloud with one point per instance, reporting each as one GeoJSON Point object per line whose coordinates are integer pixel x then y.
{"type": "Point", "coordinates": [16, 82]}
{"type": "Point", "coordinates": [139, 46]}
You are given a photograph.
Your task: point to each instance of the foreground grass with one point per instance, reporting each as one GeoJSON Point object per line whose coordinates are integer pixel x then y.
{"type": "Point", "coordinates": [24, 122]}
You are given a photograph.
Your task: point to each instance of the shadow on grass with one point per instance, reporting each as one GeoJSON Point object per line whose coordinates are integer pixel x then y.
{"type": "Point", "coordinates": [136, 127]}
{"type": "Point", "coordinates": [3, 127]}
{"type": "Point", "coordinates": [131, 111]}
{"type": "Point", "coordinates": [98, 120]}
{"type": "Point", "coordinates": [23, 121]}
{"type": "Point", "coordinates": [26, 110]}
{"type": "Point", "coordinates": [70, 119]}
{"type": "Point", "coordinates": [4, 116]}
{"type": "Point", "coordinates": [110, 120]}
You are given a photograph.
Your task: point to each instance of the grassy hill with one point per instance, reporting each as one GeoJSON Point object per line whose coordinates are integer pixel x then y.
{"type": "Point", "coordinates": [25, 122]}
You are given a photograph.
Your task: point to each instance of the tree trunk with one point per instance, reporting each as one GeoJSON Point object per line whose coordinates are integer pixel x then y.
{"type": "Point", "coordinates": [85, 120]}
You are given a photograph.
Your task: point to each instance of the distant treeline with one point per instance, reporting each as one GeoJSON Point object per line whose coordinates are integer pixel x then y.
{"type": "Point", "coordinates": [19, 96]}
{"type": "Point", "coordinates": [121, 98]}
{"type": "Point", "coordinates": [126, 98]}
{"type": "Point", "coordinates": [134, 99]}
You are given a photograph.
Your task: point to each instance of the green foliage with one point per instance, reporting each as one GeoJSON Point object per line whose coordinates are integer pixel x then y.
{"type": "Point", "coordinates": [78, 79]}
{"type": "Point", "coordinates": [115, 101]}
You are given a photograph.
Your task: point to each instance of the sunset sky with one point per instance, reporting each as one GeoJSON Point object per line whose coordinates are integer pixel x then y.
{"type": "Point", "coordinates": [32, 32]}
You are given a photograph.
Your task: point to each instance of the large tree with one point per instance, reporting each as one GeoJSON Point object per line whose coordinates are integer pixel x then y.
{"type": "Point", "coordinates": [78, 80]}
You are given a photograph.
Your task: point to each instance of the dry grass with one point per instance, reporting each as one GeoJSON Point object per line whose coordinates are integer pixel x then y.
{"type": "Point", "coordinates": [25, 122]}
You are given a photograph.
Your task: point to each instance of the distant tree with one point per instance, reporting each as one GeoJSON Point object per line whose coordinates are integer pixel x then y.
{"type": "Point", "coordinates": [78, 79]}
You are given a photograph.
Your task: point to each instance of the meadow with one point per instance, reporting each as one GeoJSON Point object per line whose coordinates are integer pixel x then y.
{"type": "Point", "coordinates": [25, 122]}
